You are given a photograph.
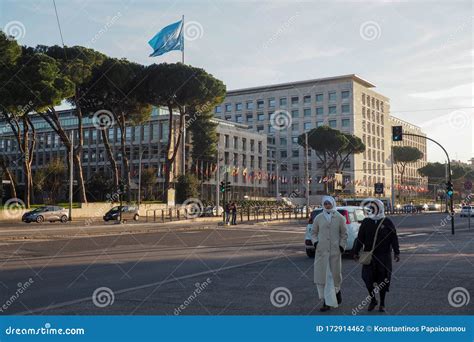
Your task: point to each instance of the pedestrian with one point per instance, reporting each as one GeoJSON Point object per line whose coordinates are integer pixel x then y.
{"type": "Point", "coordinates": [377, 238]}
{"type": "Point", "coordinates": [227, 213]}
{"type": "Point", "coordinates": [233, 208]}
{"type": "Point", "coordinates": [329, 237]}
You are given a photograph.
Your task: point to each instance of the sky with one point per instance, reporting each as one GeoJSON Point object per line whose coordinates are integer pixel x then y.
{"type": "Point", "coordinates": [418, 53]}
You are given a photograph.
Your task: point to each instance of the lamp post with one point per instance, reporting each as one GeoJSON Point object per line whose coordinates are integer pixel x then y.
{"type": "Point", "coordinates": [140, 175]}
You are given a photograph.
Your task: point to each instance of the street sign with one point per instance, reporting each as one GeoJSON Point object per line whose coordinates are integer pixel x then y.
{"type": "Point", "coordinates": [468, 185]}
{"type": "Point", "coordinates": [6, 181]}
{"type": "Point", "coordinates": [378, 188]}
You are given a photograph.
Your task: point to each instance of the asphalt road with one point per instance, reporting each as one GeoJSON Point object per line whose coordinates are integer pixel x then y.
{"type": "Point", "coordinates": [158, 268]}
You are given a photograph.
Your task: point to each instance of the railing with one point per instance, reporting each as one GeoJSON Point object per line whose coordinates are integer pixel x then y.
{"type": "Point", "coordinates": [255, 214]}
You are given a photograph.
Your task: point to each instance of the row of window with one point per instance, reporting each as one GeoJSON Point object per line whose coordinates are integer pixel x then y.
{"type": "Point", "coordinates": [282, 101]}
{"type": "Point", "coordinates": [241, 143]}
{"type": "Point", "coordinates": [372, 102]}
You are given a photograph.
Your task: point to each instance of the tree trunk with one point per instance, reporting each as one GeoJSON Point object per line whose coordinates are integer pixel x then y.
{"type": "Point", "coordinates": [110, 156]}
{"type": "Point", "coordinates": [78, 155]}
{"type": "Point", "coordinates": [26, 162]}
{"type": "Point", "coordinates": [171, 159]}
{"type": "Point", "coordinates": [8, 173]}
{"type": "Point", "coordinates": [125, 162]}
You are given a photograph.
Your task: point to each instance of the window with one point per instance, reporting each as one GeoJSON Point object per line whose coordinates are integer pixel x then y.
{"type": "Point", "coordinates": [332, 123]}
{"type": "Point", "coordinates": [307, 112]}
{"type": "Point", "coordinates": [345, 109]}
{"type": "Point", "coordinates": [226, 141]}
{"type": "Point", "coordinates": [319, 111]}
{"type": "Point", "coordinates": [260, 117]}
{"type": "Point", "coordinates": [332, 110]}
{"type": "Point", "coordinates": [319, 97]}
{"type": "Point", "coordinates": [238, 118]}
{"type": "Point", "coordinates": [295, 167]}
{"type": "Point", "coordinates": [260, 104]}
{"type": "Point", "coordinates": [249, 105]}
{"type": "Point", "coordinates": [271, 102]}
{"type": "Point", "coordinates": [228, 107]}
{"type": "Point", "coordinates": [294, 140]}
{"type": "Point", "coordinates": [295, 127]}
{"type": "Point", "coordinates": [307, 126]}
{"type": "Point", "coordinates": [249, 118]}
{"type": "Point", "coordinates": [260, 128]}
{"type": "Point", "coordinates": [307, 99]}
{"type": "Point", "coordinates": [295, 153]}
{"type": "Point", "coordinates": [332, 96]}
{"type": "Point", "coordinates": [283, 141]}
{"type": "Point", "coordinates": [345, 95]}
{"type": "Point", "coordinates": [283, 154]}
{"type": "Point", "coordinates": [238, 106]}
{"type": "Point", "coordinates": [294, 113]}
{"type": "Point", "coordinates": [259, 147]}
{"type": "Point", "coordinates": [319, 123]}
{"type": "Point", "coordinates": [236, 142]}
{"type": "Point", "coordinates": [244, 144]}
{"type": "Point", "coordinates": [294, 100]}
{"type": "Point", "coordinates": [283, 102]}
{"type": "Point", "coordinates": [345, 123]}
{"type": "Point", "coordinates": [218, 109]}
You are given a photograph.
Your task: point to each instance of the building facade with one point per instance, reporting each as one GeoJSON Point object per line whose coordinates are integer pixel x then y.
{"type": "Point", "coordinates": [347, 103]}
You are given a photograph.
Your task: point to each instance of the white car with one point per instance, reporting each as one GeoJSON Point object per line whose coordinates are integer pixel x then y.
{"type": "Point", "coordinates": [354, 216]}
{"type": "Point", "coordinates": [467, 211]}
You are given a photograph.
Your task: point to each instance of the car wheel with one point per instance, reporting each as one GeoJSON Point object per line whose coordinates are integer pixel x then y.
{"type": "Point", "coordinates": [40, 219]}
{"type": "Point", "coordinates": [310, 253]}
{"type": "Point", "coordinates": [135, 217]}
{"type": "Point", "coordinates": [63, 219]}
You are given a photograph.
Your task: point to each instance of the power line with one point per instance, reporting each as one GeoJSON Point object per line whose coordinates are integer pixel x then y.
{"type": "Point", "coordinates": [427, 110]}
{"type": "Point", "coordinates": [59, 27]}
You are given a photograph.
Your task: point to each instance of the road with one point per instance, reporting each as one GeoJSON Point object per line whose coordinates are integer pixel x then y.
{"type": "Point", "coordinates": [157, 269]}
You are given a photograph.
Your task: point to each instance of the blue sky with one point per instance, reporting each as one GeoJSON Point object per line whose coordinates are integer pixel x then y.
{"type": "Point", "coordinates": [417, 53]}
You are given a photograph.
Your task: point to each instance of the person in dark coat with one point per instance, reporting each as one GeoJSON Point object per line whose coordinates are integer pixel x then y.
{"type": "Point", "coordinates": [227, 213]}
{"type": "Point", "coordinates": [233, 209]}
{"type": "Point", "coordinates": [377, 275]}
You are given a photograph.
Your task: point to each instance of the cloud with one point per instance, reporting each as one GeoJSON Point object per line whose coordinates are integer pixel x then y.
{"type": "Point", "coordinates": [463, 90]}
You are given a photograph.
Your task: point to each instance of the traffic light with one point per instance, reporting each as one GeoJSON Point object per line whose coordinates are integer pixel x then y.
{"type": "Point", "coordinates": [449, 189]}
{"type": "Point", "coordinates": [397, 133]}
{"type": "Point", "coordinates": [227, 186]}
{"type": "Point", "coordinates": [222, 187]}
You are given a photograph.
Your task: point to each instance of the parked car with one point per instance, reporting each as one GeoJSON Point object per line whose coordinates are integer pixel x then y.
{"type": "Point", "coordinates": [49, 213]}
{"type": "Point", "coordinates": [409, 208]}
{"type": "Point", "coordinates": [467, 210]}
{"type": "Point", "coordinates": [128, 213]}
{"type": "Point", "coordinates": [354, 216]}
{"type": "Point", "coordinates": [434, 206]}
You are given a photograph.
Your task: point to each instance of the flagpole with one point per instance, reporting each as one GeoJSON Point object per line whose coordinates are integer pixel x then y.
{"type": "Point", "coordinates": [182, 51]}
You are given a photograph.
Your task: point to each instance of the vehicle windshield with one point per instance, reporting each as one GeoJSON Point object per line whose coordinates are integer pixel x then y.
{"type": "Point", "coordinates": [319, 211]}
{"type": "Point", "coordinates": [39, 210]}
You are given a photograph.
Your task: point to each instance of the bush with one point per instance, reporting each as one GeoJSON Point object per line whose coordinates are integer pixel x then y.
{"type": "Point", "coordinates": [186, 187]}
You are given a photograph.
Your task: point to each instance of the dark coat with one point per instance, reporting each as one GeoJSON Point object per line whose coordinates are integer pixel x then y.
{"type": "Point", "coordinates": [380, 269]}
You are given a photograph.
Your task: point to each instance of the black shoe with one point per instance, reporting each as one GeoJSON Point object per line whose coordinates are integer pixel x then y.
{"type": "Point", "coordinates": [339, 297]}
{"type": "Point", "coordinates": [381, 308]}
{"type": "Point", "coordinates": [372, 305]}
{"type": "Point", "coordinates": [324, 308]}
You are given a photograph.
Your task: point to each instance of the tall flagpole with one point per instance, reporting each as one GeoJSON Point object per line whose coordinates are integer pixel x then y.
{"type": "Point", "coordinates": [182, 50]}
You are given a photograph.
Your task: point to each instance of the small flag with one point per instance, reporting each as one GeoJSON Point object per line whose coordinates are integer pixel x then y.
{"type": "Point", "coordinates": [168, 39]}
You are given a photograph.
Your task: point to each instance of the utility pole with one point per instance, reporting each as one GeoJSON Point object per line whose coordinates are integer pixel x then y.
{"type": "Point", "coordinates": [306, 172]}
{"type": "Point", "coordinates": [71, 174]}
{"type": "Point", "coordinates": [277, 181]}
{"type": "Point", "coordinates": [218, 180]}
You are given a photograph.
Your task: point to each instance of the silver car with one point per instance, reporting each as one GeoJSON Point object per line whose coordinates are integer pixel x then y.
{"type": "Point", "coordinates": [49, 213]}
